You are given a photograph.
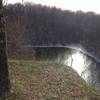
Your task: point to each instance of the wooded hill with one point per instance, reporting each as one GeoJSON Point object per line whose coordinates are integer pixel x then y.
{"type": "Point", "coordinates": [32, 24]}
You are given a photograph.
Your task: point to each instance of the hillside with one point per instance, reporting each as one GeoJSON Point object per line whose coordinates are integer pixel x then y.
{"type": "Point", "coordinates": [45, 80]}
{"type": "Point", "coordinates": [32, 24]}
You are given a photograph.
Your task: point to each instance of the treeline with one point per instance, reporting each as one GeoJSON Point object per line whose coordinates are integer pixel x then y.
{"type": "Point", "coordinates": [31, 24]}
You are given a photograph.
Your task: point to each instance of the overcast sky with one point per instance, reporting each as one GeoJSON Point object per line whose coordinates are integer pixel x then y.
{"type": "Point", "coordinates": [74, 5]}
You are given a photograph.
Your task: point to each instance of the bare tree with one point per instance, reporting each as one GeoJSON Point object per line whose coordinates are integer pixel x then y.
{"type": "Point", "coordinates": [4, 75]}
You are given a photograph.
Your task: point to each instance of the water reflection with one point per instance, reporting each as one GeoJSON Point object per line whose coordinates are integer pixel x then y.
{"type": "Point", "coordinates": [85, 64]}
{"type": "Point", "coordinates": [76, 60]}
{"type": "Point", "coordinates": [81, 63]}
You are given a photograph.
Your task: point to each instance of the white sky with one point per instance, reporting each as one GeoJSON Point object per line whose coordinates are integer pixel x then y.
{"type": "Point", "coordinates": [74, 5]}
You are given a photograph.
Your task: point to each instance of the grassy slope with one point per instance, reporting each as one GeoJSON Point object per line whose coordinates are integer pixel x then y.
{"type": "Point", "coordinates": [42, 80]}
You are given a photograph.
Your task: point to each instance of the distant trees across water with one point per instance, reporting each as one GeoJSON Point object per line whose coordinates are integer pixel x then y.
{"type": "Point", "coordinates": [31, 24]}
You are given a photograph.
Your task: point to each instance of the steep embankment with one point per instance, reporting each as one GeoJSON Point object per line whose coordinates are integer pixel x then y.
{"type": "Point", "coordinates": [43, 80]}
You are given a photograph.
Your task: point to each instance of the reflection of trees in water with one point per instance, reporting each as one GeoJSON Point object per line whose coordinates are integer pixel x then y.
{"type": "Point", "coordinates": [90, 71]}
{"type": "Point", "coordinates": [89, 67]}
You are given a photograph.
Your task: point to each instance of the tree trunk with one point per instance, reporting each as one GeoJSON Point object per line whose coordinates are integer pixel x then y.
{"type": "Point", "coordinates": [4, 75]}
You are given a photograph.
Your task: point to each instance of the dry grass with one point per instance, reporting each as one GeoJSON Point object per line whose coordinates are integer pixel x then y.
{"type": "Point", "coordinates": [43, 80]}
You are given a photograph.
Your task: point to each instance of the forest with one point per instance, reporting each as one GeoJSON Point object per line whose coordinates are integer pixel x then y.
{"type": "Point", "coordinates": [32, 24]}
{"type": "Point", "coordinates": [27, 31]}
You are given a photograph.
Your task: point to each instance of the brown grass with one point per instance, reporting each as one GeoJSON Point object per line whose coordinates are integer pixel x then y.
{"type": "Point", "coordinates": [44, 80]}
